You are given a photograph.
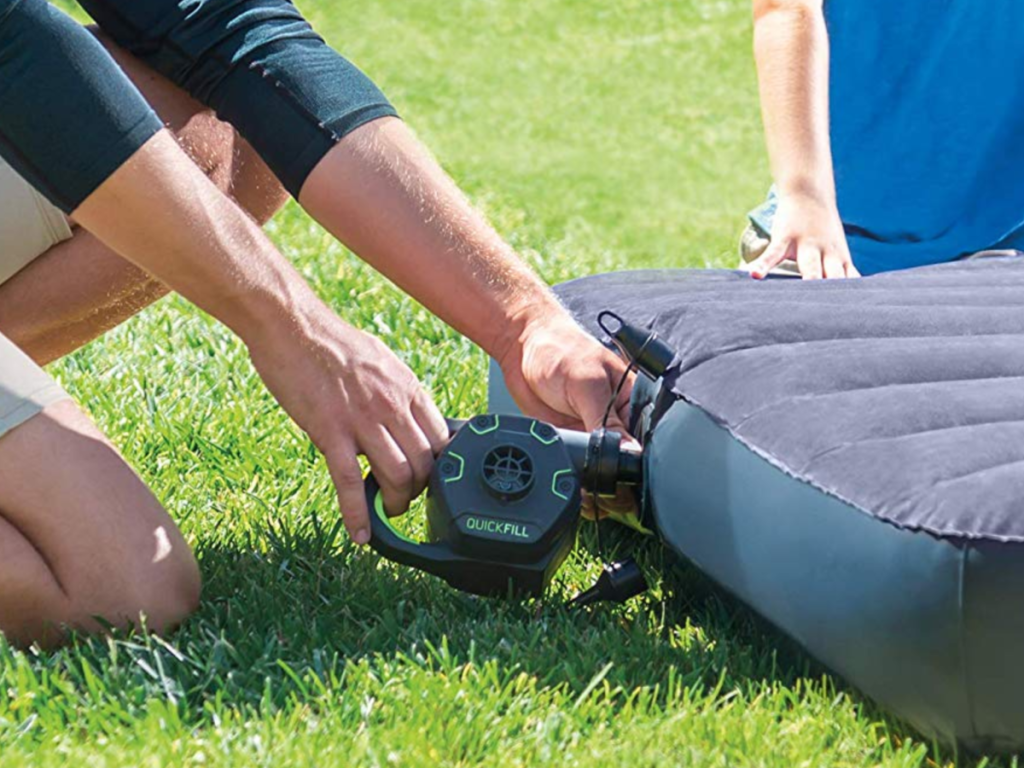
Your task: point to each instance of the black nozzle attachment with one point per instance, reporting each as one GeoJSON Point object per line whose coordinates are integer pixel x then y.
{"type": "Point", "coordinates": [617, 583]}
{"type": "Point", "coordinates": [600, 461]}
{"type": "Point", "coordinates": [642, 346]}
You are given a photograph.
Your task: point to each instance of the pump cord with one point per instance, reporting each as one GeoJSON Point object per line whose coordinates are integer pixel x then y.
{"type": "Point", "coordinates": [631, 367]}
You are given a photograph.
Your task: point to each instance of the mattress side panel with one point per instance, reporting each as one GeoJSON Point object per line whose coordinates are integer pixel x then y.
{"type": "Point", "coordinates": [993, 606]}
{"type": "Point", "coordinates": [876, 603]}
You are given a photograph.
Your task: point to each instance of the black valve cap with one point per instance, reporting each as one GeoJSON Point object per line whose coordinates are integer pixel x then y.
{"type": "Point", "coordinates": [640, 345]}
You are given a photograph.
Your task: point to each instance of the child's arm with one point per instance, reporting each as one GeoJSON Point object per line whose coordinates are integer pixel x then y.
{"type": "Point", "coordinates": [791, 51]}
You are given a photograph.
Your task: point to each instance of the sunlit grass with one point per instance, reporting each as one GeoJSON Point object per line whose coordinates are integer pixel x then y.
{"type": "Point", "coordinates": [597, 135]}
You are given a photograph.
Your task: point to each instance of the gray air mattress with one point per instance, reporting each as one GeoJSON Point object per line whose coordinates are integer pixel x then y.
{"type": "Point", "coordinates": [848, 459]}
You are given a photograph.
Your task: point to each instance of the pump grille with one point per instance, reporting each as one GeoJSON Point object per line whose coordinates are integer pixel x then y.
{"type": "Point", "coordinates": [508, 470]}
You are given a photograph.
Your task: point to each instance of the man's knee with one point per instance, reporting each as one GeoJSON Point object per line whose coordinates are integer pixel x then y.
{"type": "Point", "coordinates": [37, 612]}
{"type": "Point", "coordinates": [158, 595]}
{"type": "Point", "coordinates": [166, 602]}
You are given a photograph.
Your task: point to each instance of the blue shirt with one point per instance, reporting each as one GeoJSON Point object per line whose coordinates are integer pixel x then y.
{"type": "Point", "coordinates": [927, 127]}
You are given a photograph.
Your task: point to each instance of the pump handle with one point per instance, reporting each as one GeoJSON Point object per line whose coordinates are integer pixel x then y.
{"type": "Point", "coordinates": [434, 557]}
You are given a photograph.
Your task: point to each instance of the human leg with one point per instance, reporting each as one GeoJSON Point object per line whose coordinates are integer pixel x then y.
{"type": "Point", "coordinates": [82, 540]}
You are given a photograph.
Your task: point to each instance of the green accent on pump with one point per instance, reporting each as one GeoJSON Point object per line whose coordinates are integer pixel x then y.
{"type": "Point", "coordinates": [462, 468]}
{"type": "Point", "coordinates": [497, 421]}
{"type": "Point", "coordinates": [554, 483]}
{"type": "Point", "coordinates": [548, 441]}
{"type": "Point", "coordinates": [378, 506]}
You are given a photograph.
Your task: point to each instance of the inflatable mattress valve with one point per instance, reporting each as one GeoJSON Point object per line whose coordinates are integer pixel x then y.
{"type": "Point", "coordinates": [648, 353]}
{"type": "Point", "coordinates": [601, 462]}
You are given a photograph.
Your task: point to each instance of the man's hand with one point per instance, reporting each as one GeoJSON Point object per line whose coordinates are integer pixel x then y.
{"type": "Point", "coordinates": [558, 372]}
{"type": "Point", "coordinates": [353, 396]}
{"type": "Point", "coordinates": [808, 231]}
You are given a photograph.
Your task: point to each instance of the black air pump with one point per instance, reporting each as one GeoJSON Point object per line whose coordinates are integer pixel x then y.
{"type": "Point", "coordinates": [503, 503]}
{"type": "Point", "coordinates": [504, 498]}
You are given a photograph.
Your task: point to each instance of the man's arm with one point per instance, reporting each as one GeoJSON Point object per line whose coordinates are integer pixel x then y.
{"type": "Point", "coordinates": [791, 50]}
{"type": "Point", "coordinates": [324, 129]}
{"type": "Point", "coordinates": [382, 194]}
{"type": "Point", "coordinates": [158, 210]}
{"type": "Point", "coordinates": [343, 387]}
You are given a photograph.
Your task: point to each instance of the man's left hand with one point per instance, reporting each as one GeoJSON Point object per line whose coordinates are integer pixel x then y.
{"type": "Point", "coordinates": [559, 373]}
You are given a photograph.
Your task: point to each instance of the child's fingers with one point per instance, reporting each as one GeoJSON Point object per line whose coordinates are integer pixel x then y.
{"type": "Point", "coordinates": [774, 255]}
{"type": "Point", "coordinates": [809, 258]}
{"type": "Point", "coordinates": [834, 265]}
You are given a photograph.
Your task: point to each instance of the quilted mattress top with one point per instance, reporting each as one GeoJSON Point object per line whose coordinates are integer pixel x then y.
{"type": "Point", "coordinates": [900, 393]}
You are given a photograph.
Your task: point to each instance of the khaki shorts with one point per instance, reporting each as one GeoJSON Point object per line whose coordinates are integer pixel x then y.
{"type": "Point", "coordinates": [29, 226]}
{"type": "Point", "coordinates": [25, 389]}
{"type": "Point", "coordinates": [29, 223]}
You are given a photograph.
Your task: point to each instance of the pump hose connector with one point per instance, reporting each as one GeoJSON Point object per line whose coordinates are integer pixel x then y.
{"type": "Point", "coordinates": [601, 462]}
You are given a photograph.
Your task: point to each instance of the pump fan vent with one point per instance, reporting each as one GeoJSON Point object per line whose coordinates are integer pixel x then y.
{"type": "Point", "coordinates": [508, 470]}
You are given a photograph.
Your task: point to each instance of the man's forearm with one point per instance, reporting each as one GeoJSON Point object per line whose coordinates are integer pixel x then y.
{"type": "Point", "coordinates": [384, 196]}
{"type": "Point", "coordinates": [346, 389]}
{"type": "Point", "coordinates": [791, 50]}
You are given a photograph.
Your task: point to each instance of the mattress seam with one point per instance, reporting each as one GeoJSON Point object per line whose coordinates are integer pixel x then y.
{"type": "Point", "coordinates": [923, 432]}
{"type": "Point", "coordinates": [783, 467]}
{"type": "Point", "coordinates": [725, 352]}
{"type": "Point", "coordinates": [808, 398]}
{"type": "Point", "coordinates": [875, 387]}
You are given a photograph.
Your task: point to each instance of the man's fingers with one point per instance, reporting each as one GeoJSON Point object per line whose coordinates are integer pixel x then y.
{"type": "Point", "coordinates": [851, 270]}
{"type": "Point", "coordinates": [347, 476]}
{"type": "Point", "coordinates": [392, 469]}
{"type": "Point", "coordinates": [615, 423]}
{"type": "Point", "coordinates": [774, 255]}
{"type": "Point", "coordinates": [414, 445]}
{"type": "Point", "coordinates": [434, 427]}
{"type": "Point", "coordinates": [628, 441]}
{"type": "Point", "coordinates": [621, 407]}
{"type": "Point", "coordinates": [589, 396]}
{"type": "Point", "coordinates": [623, 503]}
{"type": "Point", "coordinates": [808, 258]}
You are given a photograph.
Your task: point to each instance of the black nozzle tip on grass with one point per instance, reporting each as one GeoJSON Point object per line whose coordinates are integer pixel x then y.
{"type": "Point", "coordinates": [617, 583]}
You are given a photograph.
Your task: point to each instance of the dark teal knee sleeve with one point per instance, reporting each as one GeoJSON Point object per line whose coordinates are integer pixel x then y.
{"type": "Point", "coordinates": [259, 64]}
{"type": "Point", "coordinates": [68, 116]}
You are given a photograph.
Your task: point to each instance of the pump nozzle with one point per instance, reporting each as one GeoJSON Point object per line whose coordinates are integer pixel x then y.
{"type": "Point", "coordinates": [617, 583]}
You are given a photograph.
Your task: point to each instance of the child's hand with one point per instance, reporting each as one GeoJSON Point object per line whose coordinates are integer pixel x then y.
{"type": "Point", "coordinates": [808, 231]}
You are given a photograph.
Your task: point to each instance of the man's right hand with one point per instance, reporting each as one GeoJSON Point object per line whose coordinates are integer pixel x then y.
{"type": "Point", "coordinates": [345, 388]}
{"type": "Point", "coordinates": [353, 396]}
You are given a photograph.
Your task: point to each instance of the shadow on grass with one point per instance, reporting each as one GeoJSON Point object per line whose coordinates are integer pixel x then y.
{"type": "Point", "coordinates": [305, 603]}
{"type": "Point", "coordinates": [294, 605]}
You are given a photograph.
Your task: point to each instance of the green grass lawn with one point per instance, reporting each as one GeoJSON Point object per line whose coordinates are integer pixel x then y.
{"type": "Point", "coordinates": [598, 135]}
